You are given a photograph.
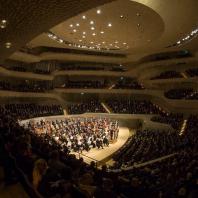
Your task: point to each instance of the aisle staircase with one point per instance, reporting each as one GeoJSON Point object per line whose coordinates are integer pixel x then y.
{"type": "Point", "coordinates": [112, 86]}
{"type": "Point", "coordinates": [105, 106]}
{"type": "Point", "coordinates": [184, 75]}
{"type": "Point", "coordinates": [183, 127]}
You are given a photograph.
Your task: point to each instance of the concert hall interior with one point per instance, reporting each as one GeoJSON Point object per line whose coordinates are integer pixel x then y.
{"type": "Point", "coordinates": [98, 98]}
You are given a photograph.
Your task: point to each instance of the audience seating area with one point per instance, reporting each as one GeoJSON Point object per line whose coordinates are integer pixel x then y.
{"type": "Point", "coordinates": [50, 66]}
{"type": "Point", "coordinates": [130, 106]}
{"type": "Point", "coordinates": [192, 72]}
{"type": "Point", "coordinates": [172, 177]}
{"type": "Point", "coordinates": [187, 94]}
{"type": "Point", "coordinates": [145, 146]}
{"type": "Point", "coordinates": [84, 84]}
{"type": "Point", "coordinates": [175, 120]}
{"type": "Point", "coordinates": [128, 83]}
{"type": "Point", "coordinates": [54, 172]}
{"type": "Point", "coordinates": [92, 106]}
{"type": "Point", "coordinates": [25, 111]}
{"type": "Point", "coordinates": [167, 75]}
{"type": "Point", "coordinates": [175, 176]}
{"type": "Point", "coordinates": [26, 86]}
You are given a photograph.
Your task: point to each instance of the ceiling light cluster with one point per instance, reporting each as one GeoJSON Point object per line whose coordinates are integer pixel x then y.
{"type": "Point", "coordinates": [8, 45]}
{"type": "Point", "coordinates": [86, 34]}
{"type": "Point", "coordinates": [3, 24]}
{"type": "Point", "coordinates": [186, 39]}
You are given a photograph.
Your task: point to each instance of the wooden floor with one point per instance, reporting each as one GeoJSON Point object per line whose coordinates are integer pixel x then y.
{"type": "Point", "coordinates": [11, 191]}
{"type": "Point", "coordinates": [101, 154]}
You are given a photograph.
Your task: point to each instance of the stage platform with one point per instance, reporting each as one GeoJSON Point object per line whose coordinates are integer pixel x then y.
{"type": "Point", "coordinates": [102, 155]}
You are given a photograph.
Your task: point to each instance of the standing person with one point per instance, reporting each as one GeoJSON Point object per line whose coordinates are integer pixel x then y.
{"type": "Point", "coordinates": [105, 141]}
{"type": "Point", "coordinates": [98, 143]}
{"type": "Point", "coordinates": [39, 170]}
{"type": "Point", "coordinates": [111, 134]}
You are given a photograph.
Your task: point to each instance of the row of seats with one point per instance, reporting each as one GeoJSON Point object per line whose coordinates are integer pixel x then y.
{"type": "Point", "coordinates": [92, 106]}
{"type": "Point", "coordinates": [26, 86]}
{"type": "Point", "coordinates": [31, 110]}
{"type": "Point", "coordinates": [128, 83]}
{"type": "Point", "coordinates": [85, 84]}
{"type": "Point", "coordinates": [167, 75]}
{"type": "Point", "coordinates": [48, 68]}
{"type": "Point", "coordinates": [131, 106]}
{"type": "Point", "coordinates": [180, 93]}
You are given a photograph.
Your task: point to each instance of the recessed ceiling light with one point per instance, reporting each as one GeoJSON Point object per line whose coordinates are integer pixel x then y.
{"type": "Point", "coordinates": [3, 23]}
{"type": "Point", "coordinates": [80, 40]}
{"type": "Point", "coordinates": [91, 22]}
{"type": "Point", "coordinates": [8, 45]}
{"type": "Point", "coordinates": [74, 30]}
{"type": "Point", "coordinates": [60, 40]}
{"type": "Point", "coordinates": [70, 44]}
{"type": "Point", "coordinates": [92, 28]}
{"type": "Point", "coordinates": [103, 42]}
{"type": "Point", "coordinates": [2, 26]}
{"type": "Point", "coordinates": [98, 11]}
{"type": "Point", "coordinates": [116, 42]}
{"type": "Point", "coordinates": [109, 25]}
{"type": "Point", "coordinates": [83, 17]}
{"type": "Point", "coordinates": [71, 25]}
{"type": "Point", "coordinates": [102, 32]}
{"type": "Point", "coordinates": [83, 36]}
{"type": "Point", "coordinates": [91, 42]}
{"type": "Point", "coordinates": [94, 34]}
{"type": "Point", "coordinates": [77, 24]}
{"type": "Point", "coordinates": [124, 43]}
{"type": "Point", "coordinates": [121, 16]}
{"type": "Point", "coordinates": [84, 33]}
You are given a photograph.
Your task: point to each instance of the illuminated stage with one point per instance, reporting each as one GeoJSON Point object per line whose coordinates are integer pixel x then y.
{"type": "Point", "coordinates": [103, 155]}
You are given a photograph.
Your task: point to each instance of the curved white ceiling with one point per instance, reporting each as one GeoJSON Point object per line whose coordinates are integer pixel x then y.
{"type": "Point", "coordinates": [120, 25]}
{"type": "Point", "coordinates": [138, 28]}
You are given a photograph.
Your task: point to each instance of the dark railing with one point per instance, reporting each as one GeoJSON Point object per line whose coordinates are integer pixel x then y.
{"type": "Point", "coordinates": [96, 161]}
{"type": "Point", "coordinates": [28, 187]}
